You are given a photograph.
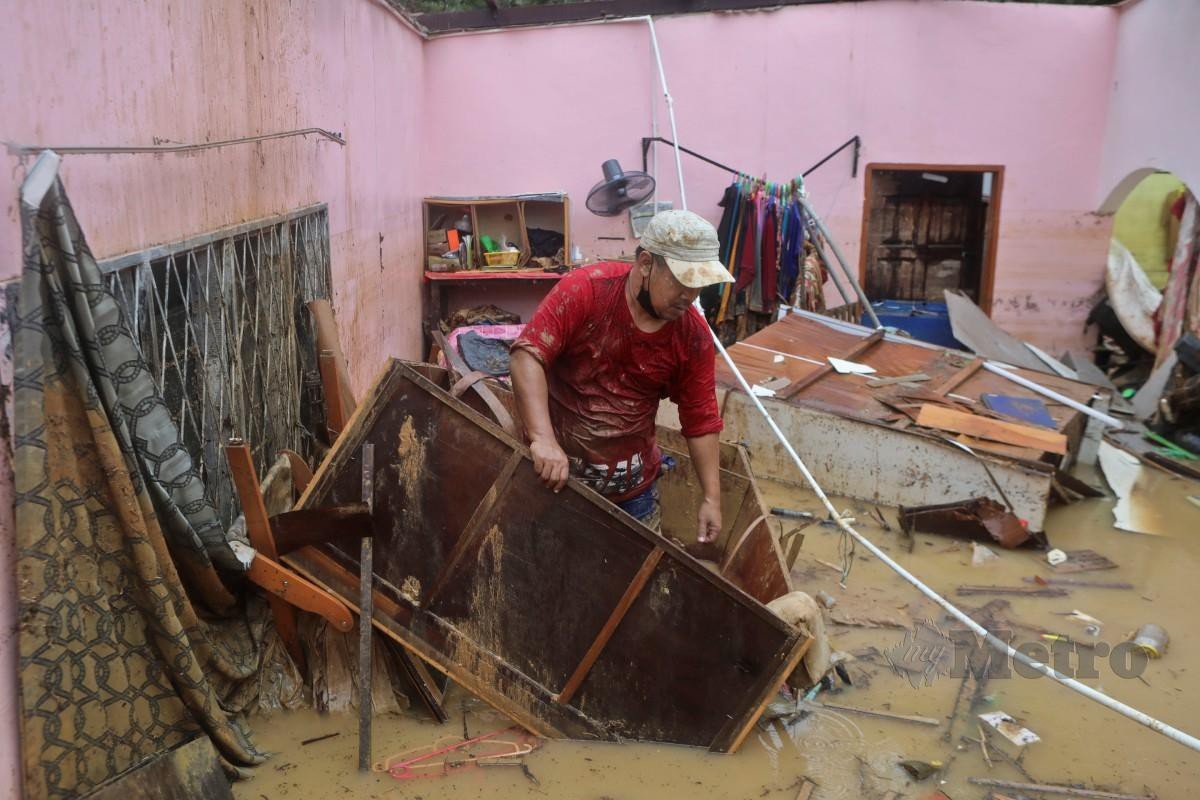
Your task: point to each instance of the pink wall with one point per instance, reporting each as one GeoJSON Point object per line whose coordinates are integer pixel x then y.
{"type": "Point", "coordinates": [1154, 119]}
{"type": "Point", "coordinates": [118, 73]}
{"type": "Point", "coordinates": [1025, 86]}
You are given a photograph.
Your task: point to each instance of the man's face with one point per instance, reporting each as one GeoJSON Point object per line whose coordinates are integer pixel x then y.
{"type": "Point", "coordinates": [669, 297]}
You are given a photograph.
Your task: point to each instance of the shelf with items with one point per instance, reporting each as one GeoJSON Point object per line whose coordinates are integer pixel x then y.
{"type": "Point", "coordinates": [457, 230]}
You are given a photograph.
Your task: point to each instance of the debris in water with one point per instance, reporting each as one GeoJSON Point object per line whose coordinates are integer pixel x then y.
{"type": "Point", "coordinates": [1152, 640]}
{"type": "Point", "coordinates": [1056, 557]}
{"type": "Point", "coordinates": [1009, 729]}
{"type": "Point", "coordinates": [319, 738]}
{"type": "Point", "coordinates": [1040, 581]}
{"type": "Point", "coordinates": [980, 518]}
{"type": "Point", "coordinates": [981, 555]}
{"type": "Point", "coordinates": [1020, 591]}
{"type": "Point", "coordinates": [1083, 561]}
{"type": "Point", "coordinates": [920, 770]}
{"type": "Point", "coordinates": [1053, 788]}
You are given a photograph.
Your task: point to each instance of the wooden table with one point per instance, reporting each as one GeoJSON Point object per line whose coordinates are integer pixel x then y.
{"type": "Point", "coordinates": [436, 284]}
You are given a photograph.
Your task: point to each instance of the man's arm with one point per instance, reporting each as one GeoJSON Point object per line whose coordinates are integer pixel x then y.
{"type": "Point", "coordinates": [706, 459]}
{"type": "Point", "coordinates": [533, 402]}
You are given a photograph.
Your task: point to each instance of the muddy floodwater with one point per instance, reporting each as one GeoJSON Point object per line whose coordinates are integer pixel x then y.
{"type": "Point", "coordinates": [851, 755]}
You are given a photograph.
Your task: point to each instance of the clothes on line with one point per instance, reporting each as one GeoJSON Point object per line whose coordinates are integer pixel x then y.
{"type": "Point", "coordinates": [771, 248]}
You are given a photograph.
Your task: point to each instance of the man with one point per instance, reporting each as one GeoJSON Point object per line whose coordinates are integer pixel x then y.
{"type": "Point", "coordinates": [604, 347]}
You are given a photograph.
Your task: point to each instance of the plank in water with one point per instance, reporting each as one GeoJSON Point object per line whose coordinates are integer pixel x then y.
{"type": "Point", "coordinates": [947, 419]}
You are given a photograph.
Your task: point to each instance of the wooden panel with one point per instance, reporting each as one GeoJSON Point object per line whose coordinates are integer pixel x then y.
{"type": "Point", "coordinates": [518, 616]}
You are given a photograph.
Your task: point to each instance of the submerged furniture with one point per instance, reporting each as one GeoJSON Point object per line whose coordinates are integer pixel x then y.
{"type": "Point", "coordinates": [558, 609]}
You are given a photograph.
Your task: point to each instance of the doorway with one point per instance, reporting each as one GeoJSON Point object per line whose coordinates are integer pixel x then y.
{"type": "Point", "coordinates": [928, 228]}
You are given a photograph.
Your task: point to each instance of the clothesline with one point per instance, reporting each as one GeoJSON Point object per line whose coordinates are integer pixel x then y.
{"type": "Point", "coordinates": [855, 140]}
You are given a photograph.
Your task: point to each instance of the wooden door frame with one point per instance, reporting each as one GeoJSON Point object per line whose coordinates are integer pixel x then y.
{"type": "Point", "coordinates": [988, 276]}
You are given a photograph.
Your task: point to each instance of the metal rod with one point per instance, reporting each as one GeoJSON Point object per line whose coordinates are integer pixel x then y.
{"type": "Point", "coordinates": [1112, 422]}
{"type": "Point", "coordinates": [365, 614]}
{"type": "Point", "coordinates": [17, 149]}
{"type": "Point", "coordinates": [854, 140]}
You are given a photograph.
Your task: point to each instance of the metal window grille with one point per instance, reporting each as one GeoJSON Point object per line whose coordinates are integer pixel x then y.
{"type": "Point", "coordinates": [222, 322]}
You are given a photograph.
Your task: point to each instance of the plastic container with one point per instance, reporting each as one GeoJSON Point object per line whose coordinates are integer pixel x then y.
{"type": "Point", "coordinates": [503, 258]}
{"type": "Point", "coordinates": [929, 322]}
{"type": "Point", "coordinates": [1151, 640]}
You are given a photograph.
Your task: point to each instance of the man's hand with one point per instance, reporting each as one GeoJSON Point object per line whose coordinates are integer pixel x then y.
{"type": "Point", "coordinates": [550, 463]}
{"type": "Point", "coordinates": [709, 519]}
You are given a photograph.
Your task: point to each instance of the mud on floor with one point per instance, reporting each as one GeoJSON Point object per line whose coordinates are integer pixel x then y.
{"type": "Point", "coordinates": [847, 754]}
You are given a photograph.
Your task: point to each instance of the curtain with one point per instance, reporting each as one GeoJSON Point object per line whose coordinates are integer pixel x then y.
{"type": "Point", "coordinates": [129, 638]}
{"type": "Point", "coordinates": [1180, 308]}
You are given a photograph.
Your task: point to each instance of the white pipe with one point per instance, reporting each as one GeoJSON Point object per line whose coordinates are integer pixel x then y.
{"type": "Point", "coordinates": [1116, 705]}
{"type": "Point", "coordinates": [662, 77]}
{"type": "Point", "coordinates": [1053, 395]}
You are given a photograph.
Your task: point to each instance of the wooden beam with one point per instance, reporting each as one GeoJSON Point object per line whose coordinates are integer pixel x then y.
{"type": "Point", "coordinates": [258, 529]}
{"type": "Point", "coordinates": [473, 533]}
{"type": "Point", "coordinates": [287, 585]}
{"type": "Point", "coordinates": [632, 591]}
{"type": "Point", "coordinates": [857, 351]}
{"type": "Point", "coordinates": [335, 415]}
{"type": "Point", "coordinates": [959, 378]}
{"type": "Point", "coordinates": [736, 730]}
{"type": "Point", "coordinates": [947, 419]}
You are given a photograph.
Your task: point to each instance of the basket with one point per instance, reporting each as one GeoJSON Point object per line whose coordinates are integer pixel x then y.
{"type": "Point", "coordinates": [504, 258]}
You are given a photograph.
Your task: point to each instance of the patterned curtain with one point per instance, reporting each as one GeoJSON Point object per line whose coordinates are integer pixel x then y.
{"type": "Point", "coordinates": [118, 550]}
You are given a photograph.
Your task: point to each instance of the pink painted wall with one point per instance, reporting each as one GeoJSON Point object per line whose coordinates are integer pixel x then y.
{"type": "Point", "coordinates": [1154, 119]}
{"type": "Point", "coordinates": [117, 73]}
{"type": "Point", "coordinates": [1025, 86]}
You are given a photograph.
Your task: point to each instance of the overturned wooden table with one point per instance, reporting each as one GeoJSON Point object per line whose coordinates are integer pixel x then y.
{"type": "Point", "coordinates": [558, 609]}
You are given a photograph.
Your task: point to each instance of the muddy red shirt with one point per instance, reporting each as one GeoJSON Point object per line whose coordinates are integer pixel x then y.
{"type": "Point", "coordinates": [606, 378]}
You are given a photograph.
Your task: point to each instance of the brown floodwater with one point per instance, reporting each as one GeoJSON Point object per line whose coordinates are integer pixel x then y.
{"type": "Point", "coordinates": [849, 755]}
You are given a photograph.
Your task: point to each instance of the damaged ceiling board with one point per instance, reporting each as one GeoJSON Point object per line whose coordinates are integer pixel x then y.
{"type": "Point", "coordinates": [851, 440]}
{"type": "Point", "coordinates": [1134, 511]}
{"type": "Point", "coordinates": [974, 329]}
{"type": "Point", "coordinates": [558, 609]}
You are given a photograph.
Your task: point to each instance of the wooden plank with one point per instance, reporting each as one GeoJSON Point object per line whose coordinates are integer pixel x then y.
{"type": "Point", "coordinates": [999, 448]}
{"type": "Point", "coordinates": [635, 588]}
{"type": "Point", "coordinates": [473, 533]}
{"type": "Point", "coordinates": [958, 378]}
{"type": "Point", "coordinates": [335, 411]}
{"type": "Point", "coordinates": [857, 351]}
{"type": "Point", "coordinates": [737, 730]}
{"type": "Point", "coordinates": [258, 530]}
{"type": "Point", "coordinates": [932, 416]}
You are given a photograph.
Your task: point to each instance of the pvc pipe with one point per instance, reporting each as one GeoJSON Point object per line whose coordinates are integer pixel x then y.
{"type": "Point", "coordinates": [1053, 395]}
{"type": "Point", "coordinates": [1153, 724]}
{"type": "Point", "coordinates": [662, 77]}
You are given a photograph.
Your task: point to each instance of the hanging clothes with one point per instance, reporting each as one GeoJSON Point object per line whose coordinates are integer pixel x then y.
{"type": "Point", "coordinates": [765, 241]}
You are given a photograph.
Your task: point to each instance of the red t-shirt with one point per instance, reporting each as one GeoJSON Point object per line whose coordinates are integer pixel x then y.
{"type": "Point", "coordinates": [606, 378]}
